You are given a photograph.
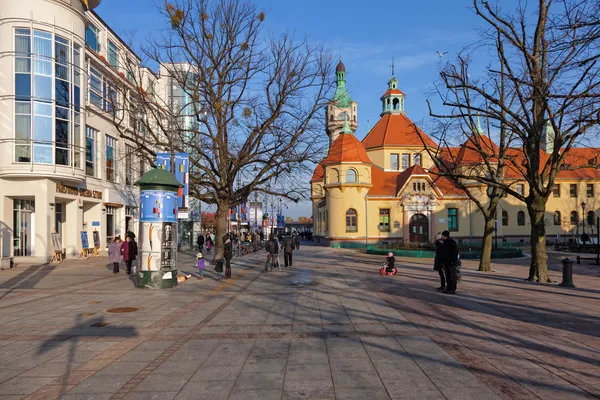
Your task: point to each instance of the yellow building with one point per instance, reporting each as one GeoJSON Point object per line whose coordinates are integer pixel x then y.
{"type": "Point", "coordinates": [382, 189]}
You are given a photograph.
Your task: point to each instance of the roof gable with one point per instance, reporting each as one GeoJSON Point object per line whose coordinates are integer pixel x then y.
{"type": "Point", "coordinates": [396, 130]}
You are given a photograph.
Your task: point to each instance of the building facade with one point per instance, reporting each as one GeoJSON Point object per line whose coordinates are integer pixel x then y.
{"type": "Point", "coordinates": [384, 189]}
{"type": "Point", "coordinates": [64, 167]}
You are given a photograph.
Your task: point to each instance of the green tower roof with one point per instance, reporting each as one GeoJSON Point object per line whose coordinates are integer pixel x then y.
{"type": "Point", "coordinates": [346, 128]}
{"type": "Point", "coordinates": [341, 96]}
{"type": "Point", "coordinates": [158, 179]}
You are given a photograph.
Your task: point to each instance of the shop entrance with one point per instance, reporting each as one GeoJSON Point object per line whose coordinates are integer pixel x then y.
{"type": "Point", "coordinates": [23, 217]}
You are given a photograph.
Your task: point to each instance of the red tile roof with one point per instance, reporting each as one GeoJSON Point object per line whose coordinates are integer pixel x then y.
{"type": "Point", "coordinates": [319, 174]}
{"type": "Point", "coordinates": [475, 148]}
{"type": "Point", "coordinates": [393, 91]}
{"type": "Point", "coordinates": [384, 183]}
{"type": "Point", "coordinates": [346, 148]}
{"type": "Point", "coordinates": [388, 183]}
{"type": "Point", "coordinates": [396, 130]}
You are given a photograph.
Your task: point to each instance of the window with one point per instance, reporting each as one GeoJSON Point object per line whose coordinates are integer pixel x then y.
{"type": "Point", "coordinates": [557, 218]}
{"type": "Point", "coordinates": [504, 218]}
{"type": "Point", "coordinates": [591, 218]}
{"type": "Point", "coordinates": [384, 219]}
{"type": "Point", "coordinates": [405, 161]}
{"type": "Point", "coordinates": [574, 218]}
{"type": "Point", "coordinates": [113, 54]}
{"type": "Point", "coordinates": [394, 162]}
{"type": "Point", "coordinates": [556, 190]}
{"type": "Point", "coordinates": [90, 151]}
{"type": "Point", "coordinates": [111, 146]}
{"type": "Point", "coordinates": [91, 38]}
{"type": "Point", "coordinates": [351, 176]}
{"type": "Point", "coordinates": [129, 165]}
{"type": "Point", "coordinates": [110, 223]}
{"type": "Point", "coordinates": [418, 186]}
{"type": "Point", "coordinates": [573, 190]}
{"type": "Point", "coordinates": [521, 218]}
{"type": "Point", "coordinates": [351, 220]}
{"type": "Point", "coordinates": [453, 219]}
{"type": "Point", "coordinates": [95, 87]}
{"type": "Point", "coordinates": [111, 98]}
{"type": "Point", "coordinates": [590, 190]}
{"type": "Point", "coordinates": [417, 159]}
{"type": "Point", "coordinates": [520, 189]}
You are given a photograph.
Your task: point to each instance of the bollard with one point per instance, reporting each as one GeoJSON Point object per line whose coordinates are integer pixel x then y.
{"type": "Point", "coordinates": [567, 272]}
{"type": "Point", "coordinates": [158, 230]}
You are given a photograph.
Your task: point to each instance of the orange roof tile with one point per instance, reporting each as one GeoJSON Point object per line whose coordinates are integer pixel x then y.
{"type": "Point", "coordinates": [396, 130]}
{"type": "Point", "coordinates": [393, 91]}
{"type": "Point", "coordinates": [346, 148]}
{"type": "Point", "coordinates": [319, 174]}
{"type": "Point", "coordinates": [384, 183]}
{"type": "Point", "coordinates": [471, 151]}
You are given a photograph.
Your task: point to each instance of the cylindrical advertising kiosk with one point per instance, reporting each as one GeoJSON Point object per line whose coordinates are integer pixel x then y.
{"type": "Point", "coordinates": [158, 230]}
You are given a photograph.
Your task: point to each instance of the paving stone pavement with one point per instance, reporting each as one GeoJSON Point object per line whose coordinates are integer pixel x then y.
{"type": "Point", "coordinates": [329, 328]}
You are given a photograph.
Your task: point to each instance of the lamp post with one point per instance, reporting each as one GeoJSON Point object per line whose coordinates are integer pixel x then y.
{"type": "Point", "coordinates": [583, 216]}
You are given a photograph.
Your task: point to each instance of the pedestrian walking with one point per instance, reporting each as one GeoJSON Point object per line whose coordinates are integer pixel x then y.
{"type": "Point", "coordinates": [200, 264]}
{"type": "Point", "coordinates": [114, 254]}
{"type": "Point", "coordinates": [129, 252]}
{"type": "Point", "coordinates": [288, 247]}
{"type": "Point", "coordinates": [450, 260]}
{"type": "Point", "coordinates": [272, 248]}
{"type": "Point", "coordinates": [209, 243]}
{"type": "Point", "coordinates": [200, 242]}
{"type": "Point", "coordinates": [297, 240]}
{"type": "Point", "coordinates": [438, 264]}
{"type": "Point", "coordinates": [228, 254]}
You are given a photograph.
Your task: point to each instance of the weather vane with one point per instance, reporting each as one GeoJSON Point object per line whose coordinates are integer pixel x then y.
{"type": "Point", "coordinates": [392, 65]}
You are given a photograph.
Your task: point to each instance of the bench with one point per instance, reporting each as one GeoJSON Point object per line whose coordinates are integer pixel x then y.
{"type": "Point", "coordinates": [595, 259]}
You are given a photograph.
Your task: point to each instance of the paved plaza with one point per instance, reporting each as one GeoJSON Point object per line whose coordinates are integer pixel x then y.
{"type": "Point", "coordinates": [328, 328]}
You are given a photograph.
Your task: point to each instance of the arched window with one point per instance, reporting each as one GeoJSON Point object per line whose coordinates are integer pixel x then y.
{"type": "Point", "coordinates": [351, 176]}
{"type": "Point", "coordinates": [591, 218]}
{"type": "Point", "coordinates": [396, 104]}
{"type": "Point", "coordinates": [355, 118]}
{"type": "Point", "coordinates": [351, 220]}
{"type": "Point", "coordinates": [331, 117]}
{"type": "Point", "coordinates": [342, 116]}
{"type": "Point", "coordinates": [504, 218]}
{"type": "Point", "coordinates": [574, 218]}
{"type": "Point", "coordinates": [557, 218]}
{"type": "Point", "coordinates": [521, 218]}
{"type": "Point", "coordinates": [334, 176]}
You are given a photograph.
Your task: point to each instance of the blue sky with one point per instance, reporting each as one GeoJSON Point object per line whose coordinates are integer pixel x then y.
{"type": "Point", "coordinates": [368, 33]}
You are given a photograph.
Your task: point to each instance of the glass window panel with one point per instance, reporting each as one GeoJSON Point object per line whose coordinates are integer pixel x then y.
{"type": "Point", "coordinates": [405, 161]}
{"type": "Point", "coordinates": [77, 97]}
{"type": "Point", "coordinates": [23, 153]}
{"type": "Point", "coordinates": [42, 34]}
{"type": "Point", "coordinates": [22, 86]}
{"type": "Point", "coordinates": [62, 72]}
{"type": "Point", "coordinates": [42, 109]}
{"type": "Point", "coordinates": [22, 31]}
{"type": "Point", "coordinates": [62, 92]}
{"type": "Point", "coordinates": [42, 130]}
{"type": "Point", "coordinates": [42, 154]}
{"type": "Point", "coordinates": [42, 47]}
{"type": "Point", "coordinates": [22, 65]}
{"type": "Point", "coordinates": [22, 107]}
{"type": "Point", "coordinates": [113, 54]}
{"type": "Point", "coordinates": [42, 87]}
{"type": "Point", "coordinates": [42, 67]}
{"type": "Point", "coordinates": [22, 127]}
{"type": "Point", "coordinates": [62, 133]}
{"type": "Point", "coordinates": [62, 113]}
{"type": "Point", "coordinates": [96, 100]}
{"type": "Point", "coordinates": [62, 156]}
{"type": "Point", "coordinates": [91, 37]}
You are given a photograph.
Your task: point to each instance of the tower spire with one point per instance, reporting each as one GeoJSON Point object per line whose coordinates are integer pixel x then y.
{"type": "Point", "coordinates": [346, 128]}
{"type": "Point", "coordinates": [392, 65]}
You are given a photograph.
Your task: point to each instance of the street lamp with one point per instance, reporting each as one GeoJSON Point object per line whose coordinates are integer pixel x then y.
{"type": "Point", "coordinates": [583, 216]}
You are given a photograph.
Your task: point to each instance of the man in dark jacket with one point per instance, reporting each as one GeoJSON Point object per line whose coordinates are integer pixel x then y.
{"type": "Point", "coordinates": [227, 254]}
{"type": "Point", "coordinates": [272, 248]}
{"type": "Point", "coordinates": [297, 240]}
{"type": "Point", "coordinates": [288, 246]}
{"type": "Point", "coordinates": [450, 259]}
{"type": "Point", "coordinates": [200, 242]}
{"type": "Point", "coordinates": [438, 264]}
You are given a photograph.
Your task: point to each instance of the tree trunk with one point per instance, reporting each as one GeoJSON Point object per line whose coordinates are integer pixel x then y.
{"type": "Point", "coordinates": [222, 225]}
{"type": "Point", "coordinates": [538, 270]}
{"type": "Point", "coordinates": [485, 260]}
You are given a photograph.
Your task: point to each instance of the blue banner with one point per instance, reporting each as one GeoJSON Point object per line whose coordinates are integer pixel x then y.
{"type": "Point", "coordinates": [182, 173]}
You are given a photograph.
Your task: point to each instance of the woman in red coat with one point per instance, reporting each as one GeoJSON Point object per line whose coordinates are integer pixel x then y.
{"type": "Point", "coordinates": [129, 251]}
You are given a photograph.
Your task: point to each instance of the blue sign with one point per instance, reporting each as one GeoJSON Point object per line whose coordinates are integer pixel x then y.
{"type": "Point", "coordinates": [95, 223]}
{"type": "Point", "coordinates": [85, 244]}
{"type": "Point", "coordinates": [182, 173]}
{"type": "Point", "coordinates": [158, 206]}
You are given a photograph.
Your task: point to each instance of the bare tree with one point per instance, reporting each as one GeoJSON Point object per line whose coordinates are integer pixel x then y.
{"type": "Point", "coordinates": [245, 105]}
{"type": "Point", "coordinates": [545, 59]}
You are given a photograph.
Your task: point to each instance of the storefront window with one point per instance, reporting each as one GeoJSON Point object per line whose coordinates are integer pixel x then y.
{"type": "Point", "coordinates": [23, 235]}
{"type": "Point", "coordinates": [110, 224]}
